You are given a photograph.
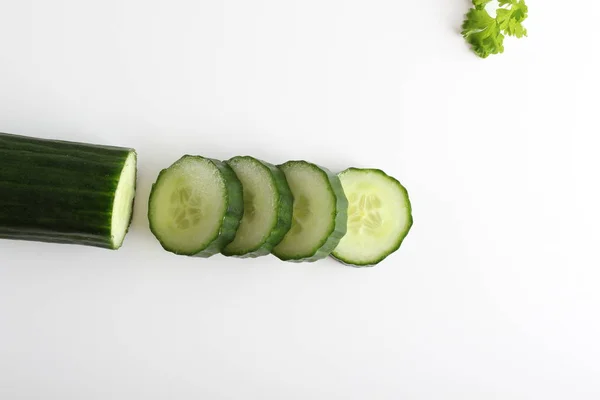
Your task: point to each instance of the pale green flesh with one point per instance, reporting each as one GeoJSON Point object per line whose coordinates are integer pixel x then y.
{"type": "Point", "coordinates": [123, 201]}
{"type": "Point", "coordinates": [379, 216]}
{"type": "Point", "coordinates": [314, 211]}
{"type": "Point", "coordinates": [188, 205]}
{"type": "Point", "coordinates": [260, 205]}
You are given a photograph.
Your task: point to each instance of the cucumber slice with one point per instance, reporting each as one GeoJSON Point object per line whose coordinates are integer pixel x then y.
{"type": "Point", "coordinates": [319, 215]}
{"type": "Point", "coordinates": [267, 208]}
{"type": "Point", "coordinates": [65, 192]}
{"type": "Point", "coordinates": [379, 217]}
{"type": "Point", "coordinates": [195, 206]}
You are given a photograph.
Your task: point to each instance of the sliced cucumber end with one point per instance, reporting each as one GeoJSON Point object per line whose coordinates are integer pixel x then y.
{"type": "Point", "coordinates": [122, 210]}
{"type": "Point", "coordinates": [379, 217]}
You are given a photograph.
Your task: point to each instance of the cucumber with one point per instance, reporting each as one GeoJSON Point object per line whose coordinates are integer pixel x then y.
{"type": "Point", "coordinates": [65, 192]}
{"type": "Point", "coordinates": [267, 208]}
{"type": "Point", "coordinates": [319, 215]}
{"type": "Point", "coordinates": [379, 217]}
{"type": "Point", "coordinates": [195, 206]}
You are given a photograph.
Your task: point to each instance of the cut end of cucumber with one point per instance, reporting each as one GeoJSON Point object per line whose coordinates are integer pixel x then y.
{"type": "Point", "coordinates": [188, 205]}
{"type": "Point", "coordinates": [379, 217]}
{"type": "Point", "coordinates": [123, 202]}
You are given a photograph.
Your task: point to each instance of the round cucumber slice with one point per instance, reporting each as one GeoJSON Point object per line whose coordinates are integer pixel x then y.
{"type": "Point", "coordinates": [319, 215]}
{"type": "Point", "coordinates": [379, 217]}
{"type": "Point", "coordinates": [195, 206]}
{"type": "Point", "coordinates": [267, 208]}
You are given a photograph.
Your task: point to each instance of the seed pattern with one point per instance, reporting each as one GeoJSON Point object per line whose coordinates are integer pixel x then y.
{"type": "Point", "coordinates": [301, 212]}
{"type": "Point", "coordinates": [363, 214]}
{"type": "Point", "coordinates": [249, 206]}
{"type": "Point", "coordinates": [185, 208]}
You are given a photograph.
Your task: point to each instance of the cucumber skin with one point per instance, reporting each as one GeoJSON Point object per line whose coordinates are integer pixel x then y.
{"type": "Point", "coordinates": [338, 231]}
{"type": "Point", "coordinates": [233, 212]}
{"type": "Point", "coordinates": [58, 191]}
{"type": "Point", "coordinates": [285, 203]}
{"type": "Point", "coordinates": [400, 240]}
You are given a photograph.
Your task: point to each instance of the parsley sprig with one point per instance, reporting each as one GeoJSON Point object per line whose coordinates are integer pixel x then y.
{"type": "Point", "coordinates": [486, 34]}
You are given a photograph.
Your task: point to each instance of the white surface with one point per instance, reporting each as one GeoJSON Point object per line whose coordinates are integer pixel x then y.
{"type": "Point", "coordinates": [494, 294]}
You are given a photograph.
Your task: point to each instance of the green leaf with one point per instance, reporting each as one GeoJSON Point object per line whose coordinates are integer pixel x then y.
{"type": "Point", "coordinates": [476, 21]}
{"type": "Point", "coordinates": [486, 34]}
{"type": "Point", "coordinates": [509, 19]}
{"type": "Point", "coordinates": [503, 18]}
{"type": "Point", "coordinates": [480, 4]}
{"type": "Point", "coordinates": [482, 33]}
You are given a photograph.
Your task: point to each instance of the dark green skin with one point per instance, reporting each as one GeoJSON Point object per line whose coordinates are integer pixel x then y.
{"type": "Point", "coordinates": [57, 191]}
{"type": "Point", "coordinates": [284, 213]}
{"type": "Point", "coordinates": [231, 218]}
{"type": "Point", "coordinates": [372, 263]}
{"type": "Point", "coordinates": [338, 229]}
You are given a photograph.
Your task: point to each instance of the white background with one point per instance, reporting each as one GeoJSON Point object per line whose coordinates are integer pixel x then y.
{"type": "Point", "coordinates": [494, 293]}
